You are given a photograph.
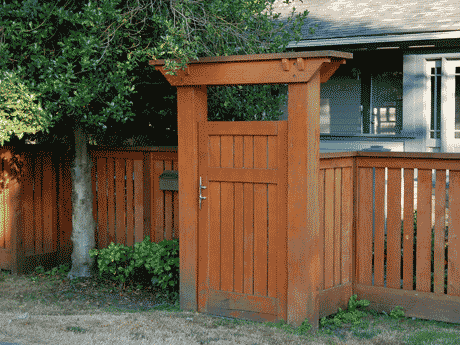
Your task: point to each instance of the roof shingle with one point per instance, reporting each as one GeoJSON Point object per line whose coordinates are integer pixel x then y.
{"type": "Point", "coordinates": [344, 18]}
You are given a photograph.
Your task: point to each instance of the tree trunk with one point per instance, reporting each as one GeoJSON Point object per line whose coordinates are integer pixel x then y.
{"type": "Point", "coordinates": [83, 225]}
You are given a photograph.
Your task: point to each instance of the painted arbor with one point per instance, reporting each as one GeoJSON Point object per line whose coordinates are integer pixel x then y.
{"type": "Point", "coordinates": [249, 211]}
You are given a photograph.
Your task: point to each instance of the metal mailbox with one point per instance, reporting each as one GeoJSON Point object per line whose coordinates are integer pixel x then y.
{"type": "Point", "coordinates": [169, 180]}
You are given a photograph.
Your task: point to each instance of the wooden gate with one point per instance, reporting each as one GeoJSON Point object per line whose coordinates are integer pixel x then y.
{"type": "Point", "coordinates": [242, 269]}
{"type": "Point", "coordinates": [237, 250]}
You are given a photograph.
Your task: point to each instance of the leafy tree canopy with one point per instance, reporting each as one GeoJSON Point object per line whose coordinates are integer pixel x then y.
{"type": "Point", "coordinates": [83, 62]}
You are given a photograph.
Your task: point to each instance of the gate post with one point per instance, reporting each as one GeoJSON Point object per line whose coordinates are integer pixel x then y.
{"type": "Point", "coordinates": [191, 107]}
{"type": "Point", "coordinates": [303, 259]}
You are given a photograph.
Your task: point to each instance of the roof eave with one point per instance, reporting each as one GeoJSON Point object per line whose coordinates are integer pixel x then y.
{"type": "Point", "coordinates": [375, 39]}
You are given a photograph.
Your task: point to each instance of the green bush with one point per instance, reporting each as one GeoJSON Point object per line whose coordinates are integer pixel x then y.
{"type": "Point", "coordinates": [159, 259]}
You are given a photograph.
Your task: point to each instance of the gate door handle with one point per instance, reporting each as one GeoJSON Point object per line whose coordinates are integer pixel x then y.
{"type": "Point", "coordinates": [201, 197]}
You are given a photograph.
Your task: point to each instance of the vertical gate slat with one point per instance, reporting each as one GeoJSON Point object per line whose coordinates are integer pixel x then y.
{"type": "Point", "coordinates": [439, 231]}
{"type": "Point", "coordinates": [239, 234]}
{"type": "Point", "coordinates": [239, 238]}
{"type": "Point", "coordinates": [394, 229]}
{"type": "Point", "coordinates": [110, 202]}
{"type": "Point", "coordinates": [227, 210]}
{"type": "Point", "coordinates": [408, 248]}
{"type": "Point", "coordinates": [120, 206]}
{"type": "Point", "coordinates": [328, 230]}
{"type": "Point", "coordinates": [260, 239]}
{"type": "Point", "coordinates": [273, 211]}
{"type": "Point", "coordinates": [453, 274]}
{"type": "Point", "coordinates": [248, 142]}
{"type": "Point", "coordinates": [337, 225]}
{"type": "Point", "coordinates": [214, 224]}
{"type": "Point", "coordinates": [272, 245]}
{"type": "Point", "coordinates": [130, 240]}
{"type": "Point", "coordinates": [260, 219]}
{"type": "Point", "coordinates": [214, 151]}
{"type": "Point", "coordinates": [379, 226]}
{"type": "Point", "coordinates": [364, 233]}
{"type": "Point", "coordinates": [226, 236]}
{"type": "Point", "coordinates": [424, 187]}
{"type": "Point", "coordinates": [215, 235]}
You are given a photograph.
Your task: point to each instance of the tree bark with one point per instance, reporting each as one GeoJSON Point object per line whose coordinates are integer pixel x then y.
{"type": "Point", "coordinates": [83, 224]}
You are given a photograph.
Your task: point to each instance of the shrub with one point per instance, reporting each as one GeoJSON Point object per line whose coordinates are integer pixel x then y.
{"type": "Point", "coordinates": [161, 260]}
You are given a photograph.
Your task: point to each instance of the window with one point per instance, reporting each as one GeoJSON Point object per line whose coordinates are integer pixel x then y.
{"type": "Point", "coordinates": [457, 102]}
{"type": "Point", "coordinates": [385, 119]}
{"type": "Point", "coordinates": [435, 123]}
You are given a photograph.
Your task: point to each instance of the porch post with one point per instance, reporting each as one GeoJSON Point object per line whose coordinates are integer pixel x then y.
{"type": "Point", "coordinates": [304, 270]}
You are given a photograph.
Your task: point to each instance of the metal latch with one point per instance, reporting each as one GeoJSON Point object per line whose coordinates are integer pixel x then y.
{"type": "Point", "coordinates": [201, 197]}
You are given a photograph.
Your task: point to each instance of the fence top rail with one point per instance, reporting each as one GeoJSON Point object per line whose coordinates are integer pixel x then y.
{"type": "Point", "coordinates": [328, 155]}
{"type": "Point", "coordinates": [133, 148]}
{"type": "Point", "coordinates": [411, 155]}
{"type": "Point", "coordinates": [51, 147]}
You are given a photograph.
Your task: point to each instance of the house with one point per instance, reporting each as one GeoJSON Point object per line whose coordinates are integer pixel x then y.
{"type": "Point", "coordinates": [401, 90]}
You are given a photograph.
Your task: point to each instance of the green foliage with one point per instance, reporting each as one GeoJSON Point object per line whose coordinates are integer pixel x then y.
{"type": "Point", "coordinates": [160, 259]}
{"type": "Point", "coordinates": [329, 324]}
{"type": "Point", "coordinates": [85, 61]}
{"type": "Point", "coordinates": [19, 113]}
{"type": "Point", "coordinates": [114, 259]}
{"type": "Point", "coordinates": [351, 316]}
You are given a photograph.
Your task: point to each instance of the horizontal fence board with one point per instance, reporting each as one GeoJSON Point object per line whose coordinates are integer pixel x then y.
{"type": "Point", "coordinates": [419, 304]}
{"type": "Point", "coordinates": [243, 175]}
{"type": "Point", "coordinates": [336, 163]}
{"type": "Point", "coordinates": [242, 128]}
{"type": "Point", "coordinates": [408, 163]}
{"type": "Point", "coordinates": [332, 299]}
{"type": "Point", "coordinates": [233, 301]}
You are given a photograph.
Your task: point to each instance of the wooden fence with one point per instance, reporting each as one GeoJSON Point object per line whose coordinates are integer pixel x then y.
{"type": "Point", "coordinates": [35, 196]}
{"type": "Point", "coordinates": [353, 259]}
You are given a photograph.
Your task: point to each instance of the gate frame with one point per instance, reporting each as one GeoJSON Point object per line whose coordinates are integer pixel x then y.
{"type": "Point", "coordinates": [303, 72]}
